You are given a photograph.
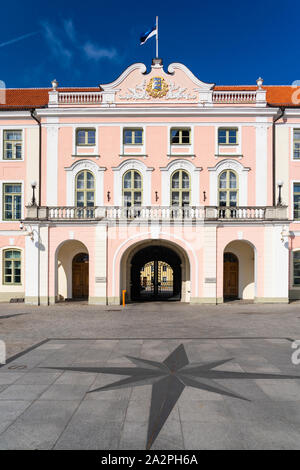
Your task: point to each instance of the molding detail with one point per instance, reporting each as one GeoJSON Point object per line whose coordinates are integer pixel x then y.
{"type": "Point", "coordinates": [194, 173]}
{"type": "Point", "coordinates": [146, 176]}
{"type": "Point", "coordinates": [242, 179]}
{"type": "Point", "coordinates": [71, 173]}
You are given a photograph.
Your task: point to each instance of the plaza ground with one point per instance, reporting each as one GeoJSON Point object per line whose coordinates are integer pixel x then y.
{"type": "Point", "coordinates": [43, 408]}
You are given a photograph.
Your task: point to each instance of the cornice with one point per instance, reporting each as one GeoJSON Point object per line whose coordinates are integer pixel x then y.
{"type": "Point", "coordinates": [158, 111]}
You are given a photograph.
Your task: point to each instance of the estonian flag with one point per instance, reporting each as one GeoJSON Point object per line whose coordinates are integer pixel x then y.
{"type": "Point", "coordinates": [151, 32]}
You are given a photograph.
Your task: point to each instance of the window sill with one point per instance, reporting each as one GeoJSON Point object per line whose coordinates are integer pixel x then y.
{"type": "Point", "coordinates": [228, 155]}
{"type": "Point", "coordinates": [86, 155]}
{"type": "Point", "coordinates": [124, 155]}
{"type": "Point", "coordinates": [189, 155]}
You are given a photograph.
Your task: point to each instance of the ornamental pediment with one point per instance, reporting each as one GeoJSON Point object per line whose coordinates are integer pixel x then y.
{"type": "Point", "coordinates": [178, 84]}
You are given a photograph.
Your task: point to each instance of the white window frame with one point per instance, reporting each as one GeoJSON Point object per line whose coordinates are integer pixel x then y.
{"type": "Point", "coordinates": [98, 173]}
{"type": "Point", "coordinates": [12, 287]}
{"type": "Point", "coordinates": [145, 172]}
{"type": "Point", "coordinates": [166, 173]}
{"type": "Point", "coordinates": [214, 174]}
{"type": "Point", "coordinates": [237, 146]}
{"type": "Point", "coordinates": [11, 128]}
{"type": "Point", "coordinates": [3, 182]}
{"type": "Point", "coordinates": [84, 147]}
{"type": "Point", "coordinates": [122, 145]}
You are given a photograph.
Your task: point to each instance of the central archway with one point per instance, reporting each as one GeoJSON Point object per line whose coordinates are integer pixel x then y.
{"type": "Point", "coordinates": [170, 278]}
{"type": "Point", "coordinates": [153, 285]}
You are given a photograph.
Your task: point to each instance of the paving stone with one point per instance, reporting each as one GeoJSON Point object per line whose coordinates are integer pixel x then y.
{"type": "Point", "coordinates": [10, 410]}
{"type": "Point", "coordinates": [23, 392]}
{"type": "Point", "coordinates": [39, 426]}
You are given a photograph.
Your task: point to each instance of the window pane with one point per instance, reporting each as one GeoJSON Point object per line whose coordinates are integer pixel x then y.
{"type": "Point", "coordinates": [80, 199]}
{"type": "Point", "coordinates": [137, 180]}
{"type": "Point", "coordinates": [127, 180]}
{"type": "Point", "coordinates": [90, 181]}
{"type": "Point", "coordinates": [185, 180]}
{"type": "Point", "coordinates": [222, 180]}
{"type": "Point", "coordinates": [175, 198]}
{"type": "Point", "coordinates": [127, 198]}
{"type": "Point", "coordinates": [91, 137]}
{"type": "Point", "coordinates": [297, 134]}
{"type": "Point", "coordinates": [186, 136]}
{"type": "Point", "coordinates": [175, 136]}
{"type": "Point", "coordinates": [185, 198]}
{"type": "Point", "coordinates": [232, 180]}
{"type": "Point", "coordinates": [232, 136]}
{"type": "Point", "coordinates": [138, 137]}
{"type": "Point", "coordinates": [297, 256]}
{"type": "Point", "coordinates": [222, 136]}
{"type": "Point", "coordinates": [90, 198]}
{"type": "Point", "coordinates": [80, 137]}
{"type": "Point", "coordinates": [128, 137]}
{"type": "Point", "coordinates": [222, 198]}
{"type": "Point", "coordinates": [233, 198]}
{"type": "Point", "coordinates": [175, 180]}
{"type": "Point", "coordinates": [80, 181]}
{"type": "Point", "coordinates": [137, 198]}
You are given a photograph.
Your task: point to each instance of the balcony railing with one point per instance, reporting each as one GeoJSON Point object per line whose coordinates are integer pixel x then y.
{"type": "Point", "coordinates": [82, 97]}
{"type": "Point", "coordinates": [150, 213]}
{"type": "Point", "coordinates": [235, 97]}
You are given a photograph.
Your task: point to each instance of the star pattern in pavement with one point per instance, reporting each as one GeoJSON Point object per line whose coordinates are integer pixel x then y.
{"type": "Point", "coordinates": [168, 379]}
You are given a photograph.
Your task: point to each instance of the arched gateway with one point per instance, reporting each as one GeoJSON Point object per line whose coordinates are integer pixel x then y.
{"type": "Point", "coordinates": [155, 270]}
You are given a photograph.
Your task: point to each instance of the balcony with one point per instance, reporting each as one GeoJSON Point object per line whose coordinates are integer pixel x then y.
{"type": "Point", "coordinates": [150, 213]}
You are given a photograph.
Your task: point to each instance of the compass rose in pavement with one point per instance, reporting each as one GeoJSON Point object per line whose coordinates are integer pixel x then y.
{"type": "Point", "coordinates": [168, 379]}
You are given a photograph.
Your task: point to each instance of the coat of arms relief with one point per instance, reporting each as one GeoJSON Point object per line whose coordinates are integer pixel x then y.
{"type": "Point", "coordinates": [157, 87]}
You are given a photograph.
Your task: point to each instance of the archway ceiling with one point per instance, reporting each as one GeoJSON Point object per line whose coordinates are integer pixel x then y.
{"type": "Point", "coordinates": [155, 253]}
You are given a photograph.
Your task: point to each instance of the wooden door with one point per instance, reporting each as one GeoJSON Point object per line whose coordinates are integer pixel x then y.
{"type": "Point", "coordinates": [80, 277]}
{"type": "Point", "coordinates": [231, 275]}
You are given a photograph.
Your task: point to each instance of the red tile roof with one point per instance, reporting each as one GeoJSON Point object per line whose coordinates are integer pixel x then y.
{"type": "Point", "coordinates": [28, 98]}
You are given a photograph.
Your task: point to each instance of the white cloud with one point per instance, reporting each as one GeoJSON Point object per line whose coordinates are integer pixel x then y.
{"type": "Point", "coordinates": [94, 52]}
{"type": "Point", "coordinates": [56, 44]}
{"type": "Point", "coordinates": [70, 30]}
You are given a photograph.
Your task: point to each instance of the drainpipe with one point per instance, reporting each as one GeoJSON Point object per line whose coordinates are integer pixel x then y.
{"type": "Point", "coordinates": [277, 117]}
{"type": "Point", "coordinates": [33, 115]}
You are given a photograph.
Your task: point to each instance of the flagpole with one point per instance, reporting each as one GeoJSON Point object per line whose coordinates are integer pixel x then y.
{"type": "Point", "coordinates": [157, 37]}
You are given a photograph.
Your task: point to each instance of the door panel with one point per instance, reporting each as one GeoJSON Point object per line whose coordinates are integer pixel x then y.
{"type": "Point", "coordinates": [80, 284]}
{"type": "Point", "coordinates": [231, 277]}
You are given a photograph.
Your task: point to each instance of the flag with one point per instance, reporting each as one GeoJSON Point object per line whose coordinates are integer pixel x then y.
{"type": "Point", "coordinates": [149, 34]}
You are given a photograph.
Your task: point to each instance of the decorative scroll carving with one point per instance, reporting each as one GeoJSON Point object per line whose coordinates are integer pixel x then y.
{"type": "Point", "coordinates": [137, 93]}
{"type": "Point", "coordinates": [141, 92]}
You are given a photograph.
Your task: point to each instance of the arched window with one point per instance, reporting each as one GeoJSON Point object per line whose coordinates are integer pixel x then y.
{"type": "Point", "coordinates": [228, 189]}
{"type": "Point", "coordinates": [11, 267]}
{"type": "Point", "coordinates": [85, 189]}
{"type": "Point", "coordinates": [180, 188]}
{"type": "Point", "coordinates": [132, 188]}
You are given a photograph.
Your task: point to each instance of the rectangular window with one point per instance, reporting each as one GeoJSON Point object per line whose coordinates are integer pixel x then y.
{"type": "Point", "coordinates": [85, 137]}
{"type": "Point", "coordinates": [227, 136]}
{"type": "Point", "coordinates": [12, 145]}
{"type": "Point", "coordinates": [11, 267]}
{"type": "Point", "coordinates": [133, 137]}
{"type": "Point", "coordinates": [12, 201]}
{"type": "Point", "coordinates": [296, 268]}
{"type": "Point", "coordinates": [296, 145]}
{"type": "Point", "coordinates": [180, 136]}
{"type": "Point", "coordinates": [297, 201]}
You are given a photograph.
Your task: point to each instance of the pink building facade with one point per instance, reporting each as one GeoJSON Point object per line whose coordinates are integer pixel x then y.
{"type": "Point", "coordinates": [155, 166]}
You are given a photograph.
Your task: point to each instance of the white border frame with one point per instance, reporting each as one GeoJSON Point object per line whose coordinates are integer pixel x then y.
{"type": "Point", "coordinates": [132, 164]}
{"type": "Point", "coordinates": [166, 172]}
{"type": "Point", "coordinates": [71, 173]}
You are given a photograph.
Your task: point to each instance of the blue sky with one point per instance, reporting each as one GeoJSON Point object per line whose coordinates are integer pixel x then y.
{"type": "Point", "coordinates": [90, 42]}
